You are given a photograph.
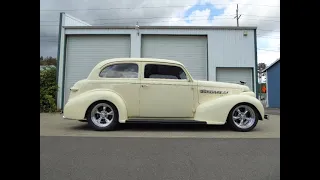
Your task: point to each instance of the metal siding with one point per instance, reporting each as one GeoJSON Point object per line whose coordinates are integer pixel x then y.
{"type": "Point", "coordinates": [141, 31]}
{"type": "Point", "coordinates": [84, 52]}
{"type": "Point", "coordinates": [267, 104]}
{"type": "Point", "coordinates": [60, 64]}
{"type": "Point", "coordinates": [99, 31]}
{"type": "Point", "coordinates": [256, 84]}
{"type": "Point", "coordinates": [235, 75]}
{"type": "Point", "coordinates": [273, 90]}
{"type": "Point", "coordinates": [175, 31]}
{"type": "Point", "coordinates": [189, 50]}
{"type": "Point", "coordinates": [58, 60]}
{"type": "Point", "coordinates": [230, 48]}
{"type": "Point", "coordinates": [226, 47]}
{"type": "Point", "coordinates": [170, 27]}
{"type": "Point", "coordinates": [72, 21]}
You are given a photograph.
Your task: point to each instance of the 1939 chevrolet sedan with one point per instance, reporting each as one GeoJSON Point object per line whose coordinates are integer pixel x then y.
{"type": "Point", "coordinates": [125, 90]}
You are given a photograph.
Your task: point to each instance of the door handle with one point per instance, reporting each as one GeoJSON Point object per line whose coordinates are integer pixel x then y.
{"type": "Point", "coordinates": [143, 85]}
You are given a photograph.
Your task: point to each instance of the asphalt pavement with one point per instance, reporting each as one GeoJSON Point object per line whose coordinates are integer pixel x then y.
{"type": "Point", "coordinates": [84, 158]}
{"type": "Point", "coordinates": [70, 150]}
{"type": "Point", "coordinates": [273, 111]}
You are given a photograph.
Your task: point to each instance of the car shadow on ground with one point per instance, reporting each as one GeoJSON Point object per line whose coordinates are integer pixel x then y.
{"type": "Point", "coordinates": [162, 127]}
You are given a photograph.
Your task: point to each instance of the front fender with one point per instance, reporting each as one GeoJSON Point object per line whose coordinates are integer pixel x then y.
{"type": "Point", "coordinates": [77, 106]}
{"type": "Point", "coordinates": [216, 111]}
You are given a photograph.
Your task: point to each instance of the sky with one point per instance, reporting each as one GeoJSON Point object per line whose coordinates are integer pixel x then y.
{"type": "Point", "coordinates": [260, 13]}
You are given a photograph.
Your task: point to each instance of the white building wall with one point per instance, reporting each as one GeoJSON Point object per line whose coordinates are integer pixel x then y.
{"type": "Point", "coordinates": [230, 48]}
{"type": "Point", "coordinates": [72, 21]}
{"type": "Point", "coordinates": [65, 20]}
{"type": "Point", "coordinates": [226, 48]}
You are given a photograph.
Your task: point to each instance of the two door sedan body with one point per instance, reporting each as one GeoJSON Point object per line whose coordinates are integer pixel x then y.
{"type": "Point", "coordinates": [121, 90]}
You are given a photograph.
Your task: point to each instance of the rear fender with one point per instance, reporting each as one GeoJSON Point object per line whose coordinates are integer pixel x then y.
{"type": "Point", "coordinates": [216, 111]}
{"type": "Point", "coordinates": [77, 107]}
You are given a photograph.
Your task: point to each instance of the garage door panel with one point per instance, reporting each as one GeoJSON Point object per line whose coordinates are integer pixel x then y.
{"type": "Point", "coordinates": [235, 75]}
{"type": "Point", "coordinates": [189, 50]}
{"type": "Point", "coordinates": [84, 52]}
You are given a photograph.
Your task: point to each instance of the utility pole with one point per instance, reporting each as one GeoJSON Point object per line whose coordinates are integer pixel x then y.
{"type": "Point", "coordinates": [237, 16]}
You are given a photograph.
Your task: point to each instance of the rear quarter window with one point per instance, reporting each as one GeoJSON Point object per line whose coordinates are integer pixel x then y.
{"type": "Point", "coordinates": [123, 70]}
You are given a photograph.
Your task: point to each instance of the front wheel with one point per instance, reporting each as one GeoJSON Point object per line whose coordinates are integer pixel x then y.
{"type": "Point", "coordinates": [243, 118]}
{"type": "Point", "coordinates": [102, 116]}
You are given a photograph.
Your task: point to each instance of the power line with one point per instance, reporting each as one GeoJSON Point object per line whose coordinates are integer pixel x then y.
{"type": "Point", "coordinates": [144, 22]}
{"type": "Point", "coordinates": [168, 17]}
{"type": "Point", "coordinates": [146, 7]}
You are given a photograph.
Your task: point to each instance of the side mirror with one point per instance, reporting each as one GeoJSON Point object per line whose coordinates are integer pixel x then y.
{"type": "Point", "coordinates": [242, 82]}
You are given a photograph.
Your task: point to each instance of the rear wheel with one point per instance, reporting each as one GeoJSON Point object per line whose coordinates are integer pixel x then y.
{"type": "Point", "coordinates": [102, 116]}
{"type": "Point", "coordinates": [243, 117]}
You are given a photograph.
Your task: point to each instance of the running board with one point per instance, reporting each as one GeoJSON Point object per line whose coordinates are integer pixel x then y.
{"type": "Point", "coordinates": [165, 121]}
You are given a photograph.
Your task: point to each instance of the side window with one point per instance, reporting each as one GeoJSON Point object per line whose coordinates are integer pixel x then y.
{"type": "Point", "coordinates": [163, 72]}
{"type": "Point", "coordinates": [123, 70]}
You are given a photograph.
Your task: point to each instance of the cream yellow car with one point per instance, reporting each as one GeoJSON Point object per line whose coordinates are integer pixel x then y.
{"type": "Point", "coordinates": [124, 90]}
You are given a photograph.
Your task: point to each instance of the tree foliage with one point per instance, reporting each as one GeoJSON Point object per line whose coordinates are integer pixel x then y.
{"type": "Point", "coordinates": [48, 61]}
{"type": "Point", "coordinates": [48, 89]}
{"type": "Point", "coordinates": [262, 66]}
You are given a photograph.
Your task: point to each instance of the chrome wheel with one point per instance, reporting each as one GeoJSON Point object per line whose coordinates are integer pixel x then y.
{"type": "Point", "coordinates": [102, 114]}
{"type": "Point", "coordinates": [243, 116]}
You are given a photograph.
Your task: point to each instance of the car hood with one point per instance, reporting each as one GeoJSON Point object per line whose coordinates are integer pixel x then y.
{"type": "Point", "coordinates": [223, 85]}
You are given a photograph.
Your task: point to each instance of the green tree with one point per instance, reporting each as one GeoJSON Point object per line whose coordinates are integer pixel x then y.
{"type": "Point", "coordinates": [48, 90]}
{"type": "Point", "coordinates": [47, 61]}
{"type": "Point", "coordinates": [261, 67]}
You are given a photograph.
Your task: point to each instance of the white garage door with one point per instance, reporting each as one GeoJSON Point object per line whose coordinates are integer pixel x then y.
{"type": "Point", "coordinates": [189, 50]}
{"type": "Point", "coordinates": [85, 51]}
{"type": "Point", "coordinates": [235, 75]}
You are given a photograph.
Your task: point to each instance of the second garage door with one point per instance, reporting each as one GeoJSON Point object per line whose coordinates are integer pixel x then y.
{"type": "Point", "coordinates": [189, 50]}
{"type": "Point", "coordinates": [235, 75]}
{"type": "Point", "coordinates": [84, 52]}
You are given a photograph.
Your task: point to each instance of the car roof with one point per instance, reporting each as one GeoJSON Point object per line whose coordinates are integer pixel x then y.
{"type": "Point", "coordinates": [138, 60]}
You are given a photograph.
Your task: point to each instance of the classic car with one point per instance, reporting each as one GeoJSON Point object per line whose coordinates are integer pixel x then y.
{"type": "Point", "coordinates": [123, 90]}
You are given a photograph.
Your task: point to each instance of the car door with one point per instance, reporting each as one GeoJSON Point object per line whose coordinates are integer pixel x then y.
{"type": "Point", "coordinates": [123, 79]}
{"type": "Point", "coordinates": [165, 92]}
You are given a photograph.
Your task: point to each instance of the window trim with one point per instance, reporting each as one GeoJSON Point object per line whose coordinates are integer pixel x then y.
{"type": "Point", "coordinates": [188, 78]}
{"type": "Point", "coordinates": [117, 63]}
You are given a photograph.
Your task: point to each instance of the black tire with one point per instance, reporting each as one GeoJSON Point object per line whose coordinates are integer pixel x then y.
{"type": "Point", "coordinates": [92, 119]}
{"type": "Point", "coordinates": [251, 124]}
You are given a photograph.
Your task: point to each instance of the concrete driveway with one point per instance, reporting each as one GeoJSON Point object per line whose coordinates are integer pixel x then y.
{"type": "Point", "coordinates": [272, 111]}
{"type": "Point", "coordinates": [55, 125]}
